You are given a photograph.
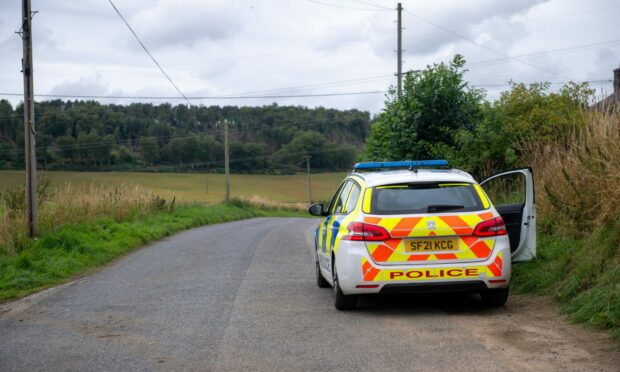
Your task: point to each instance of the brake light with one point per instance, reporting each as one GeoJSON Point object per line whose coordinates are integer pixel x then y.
{"type": "Point", "coordinates": [359, 231]}
{"type": "Point", "coordinates": [493, 227]}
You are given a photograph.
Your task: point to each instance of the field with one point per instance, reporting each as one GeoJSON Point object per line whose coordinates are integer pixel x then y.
{"type": "Point", "coordinates": [193, 187]}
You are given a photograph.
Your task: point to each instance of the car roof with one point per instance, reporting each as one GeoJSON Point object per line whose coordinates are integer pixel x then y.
{"type": "Point", "coordinates": [411, 176]}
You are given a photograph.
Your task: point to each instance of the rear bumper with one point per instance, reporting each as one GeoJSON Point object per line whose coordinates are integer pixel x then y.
{"type": "Point", "coordinates": [466, 286]}
{"type": "Point", "coordinates": [358, 274]}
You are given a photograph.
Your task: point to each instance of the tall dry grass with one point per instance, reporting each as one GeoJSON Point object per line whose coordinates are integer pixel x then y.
{"type": "Point", "coordinates": [60, 206]}
{"type": "Point", "coordinates": [578, 177]}
{"type": "Point", "coordinates": [262, 202]}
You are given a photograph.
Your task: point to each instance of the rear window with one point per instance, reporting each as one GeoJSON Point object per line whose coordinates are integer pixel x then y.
{"type": "Point", "coordinates": [442, 197]}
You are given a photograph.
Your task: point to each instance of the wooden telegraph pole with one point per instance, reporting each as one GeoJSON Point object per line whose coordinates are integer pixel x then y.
{"type": "Point", "coordinates": [29, 138]}
{"type": "Point", "coordinates": [399, 52]}
{"type": "Point", "coordinates": [308, 157]}
{"type": "Point", "coordinates": [226, 162]}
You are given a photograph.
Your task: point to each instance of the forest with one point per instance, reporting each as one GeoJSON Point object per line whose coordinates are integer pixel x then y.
{"type": "Point", "coordinates": [87, 135]}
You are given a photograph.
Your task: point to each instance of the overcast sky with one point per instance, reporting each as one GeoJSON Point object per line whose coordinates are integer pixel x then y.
{"type": "Point", "coordinates": [269, 47]}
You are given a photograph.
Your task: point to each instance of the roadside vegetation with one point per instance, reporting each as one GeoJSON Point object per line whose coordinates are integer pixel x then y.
{"type": "Point", "coordinates": [578, 183]}
{"type": "Point", "coordinates": [575, 154]}
{"type": "Point", "coordinates": [83, 229]}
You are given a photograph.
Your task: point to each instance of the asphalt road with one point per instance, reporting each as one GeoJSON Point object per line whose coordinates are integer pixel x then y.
{"type": "Point", "coordinates": [242, 296]}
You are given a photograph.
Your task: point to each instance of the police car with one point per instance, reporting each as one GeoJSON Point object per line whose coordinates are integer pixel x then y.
{"type": "Point", "coordinates": [418, 226]}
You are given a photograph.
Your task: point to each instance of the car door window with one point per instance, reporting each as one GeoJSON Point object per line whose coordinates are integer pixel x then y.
{"type": "Point", "coordinates": [353, 197]}
{"type": "Point", "coordinates": [332, 203]}
{"type": "Point", "coordinates": [341, 199]}
{"type": "Point", "coordinates": [508, 189]}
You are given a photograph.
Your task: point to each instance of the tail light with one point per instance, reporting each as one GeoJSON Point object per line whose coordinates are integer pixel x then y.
{"type": "Point", "coordinates": [359, 231]}
{"type": "Point", "coordinates": [493, 227]}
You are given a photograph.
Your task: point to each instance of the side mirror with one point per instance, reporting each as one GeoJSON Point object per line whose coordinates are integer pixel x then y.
{"type": "Point", "coordinates": [317, 209]}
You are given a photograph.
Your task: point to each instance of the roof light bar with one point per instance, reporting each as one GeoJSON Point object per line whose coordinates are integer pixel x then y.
{"type": "Point", "coordinates": [402, 164]}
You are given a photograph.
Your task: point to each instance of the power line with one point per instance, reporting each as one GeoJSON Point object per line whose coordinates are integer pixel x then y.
{"type": "Point", "coordinates": [324, 84]}
{"type": "Point", "coordinates": [240, 130]}
{"type": "Point", "coordinates": [551, 51]}
{"type": "Point", "coordinates": [149, 53]}
{"type": "Point", "coordinates": [198, 98]}
{"type": "Point", "coordinates": [483, 46]}
{"type": "Point", "coordinates": [551, 83]}
{"type": "Point", "coordinates": [445, 29]}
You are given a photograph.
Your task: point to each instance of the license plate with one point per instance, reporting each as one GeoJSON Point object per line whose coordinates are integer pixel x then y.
{"type": "Point", "coordinates": [431, 245]}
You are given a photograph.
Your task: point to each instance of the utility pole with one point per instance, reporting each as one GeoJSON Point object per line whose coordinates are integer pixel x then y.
{"type": "Point", "coordinates": [29, 140]}
{"type": "Point", "coordinates": [226, 162]}
{"type": "Point", "coordinates": [399, 51]}
{"type": "Point", "coordinates": [308, 157]}
{"type": "Point", "coordinates": [207, 181]}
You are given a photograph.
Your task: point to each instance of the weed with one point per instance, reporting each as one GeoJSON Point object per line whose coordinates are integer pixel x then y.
{"type": "Point", "coordinates": [65, 205]}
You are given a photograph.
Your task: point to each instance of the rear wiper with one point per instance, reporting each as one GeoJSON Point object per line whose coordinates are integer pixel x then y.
{"type": "Point", "coordinates": [442, 207]}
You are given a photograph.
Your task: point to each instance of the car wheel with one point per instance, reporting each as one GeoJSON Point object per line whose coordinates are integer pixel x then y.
{"type": "Point", "coordinates": [320, 281]}
{"type": "Point", "coordinates": [494, 297]}
{"type": "Point", "coordinates": [342, 301]}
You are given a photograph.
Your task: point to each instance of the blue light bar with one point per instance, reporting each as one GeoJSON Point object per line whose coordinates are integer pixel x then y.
{"type": "Point", "coordinates": [402, 164]}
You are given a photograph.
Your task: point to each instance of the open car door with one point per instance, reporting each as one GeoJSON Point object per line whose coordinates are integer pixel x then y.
{"type": "Point", "coordinates": [512, 194]}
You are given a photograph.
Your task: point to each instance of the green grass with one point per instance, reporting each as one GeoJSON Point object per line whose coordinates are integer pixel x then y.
{"type": "Point", "coordinates": [73, 250]}
{"type": "Point", "coordinates": [197, 187]}
{"type": "Point", "coordinates": [582, 275]}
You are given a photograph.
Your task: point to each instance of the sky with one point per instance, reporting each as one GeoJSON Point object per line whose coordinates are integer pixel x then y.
{"type": "Point", "coordinates": [302, 47]}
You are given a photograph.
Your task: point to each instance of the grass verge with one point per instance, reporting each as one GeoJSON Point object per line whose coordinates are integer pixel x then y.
{"type": "Point", "coordinates": [581, 274]}
{"type": "Point", "coordinates": [75, 249]}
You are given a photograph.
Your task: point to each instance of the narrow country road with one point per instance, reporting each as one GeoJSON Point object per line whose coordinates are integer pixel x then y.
{"type": "Point", "coordinates": [242, 296]}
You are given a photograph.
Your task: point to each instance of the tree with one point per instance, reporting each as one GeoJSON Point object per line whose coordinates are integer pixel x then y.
{"type": "Point", "coordinates": [7, 155]}
{"type": "Point", "coordinates": [149, 151]}
{"type": "Point", "coordinates": [182, 150]}
{"type": "Point", "coordinates": [87, 146]}
{"type": "Point", "coordinates": [71, 128]}
{"type": "Point", "coordinates": [531, 111]}
{"type": "Point", "coordinates": [248, 156]}
{"type": "Point", "coordinates": [435, 104]}
{"type": "Point", "coordinates": [524, 113]}
{"type": "Point", "coordinates": [66, 147]}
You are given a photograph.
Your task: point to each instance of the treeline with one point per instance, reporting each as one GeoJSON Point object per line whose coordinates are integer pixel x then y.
{"type": "Point", "coordinates": [87, 135]}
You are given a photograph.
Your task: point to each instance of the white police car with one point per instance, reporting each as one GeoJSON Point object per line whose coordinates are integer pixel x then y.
{"type": "Point", "coordinates": [417, 226]}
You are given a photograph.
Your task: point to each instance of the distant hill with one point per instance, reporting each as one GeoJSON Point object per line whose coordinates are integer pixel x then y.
{"type": "Point", "coordinates": [87, 135]}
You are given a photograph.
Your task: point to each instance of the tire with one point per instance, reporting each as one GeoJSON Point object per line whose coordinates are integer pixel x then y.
{"type": "Point", "coordinates": [342, 301]}
{"type": "Point", "coordinates": [320, 281]}
{"type": "Point", "coordinates": [494, 297]}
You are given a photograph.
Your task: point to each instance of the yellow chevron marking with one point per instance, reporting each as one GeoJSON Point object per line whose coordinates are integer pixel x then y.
{"type": "Point", "coordinates": [483, 197]}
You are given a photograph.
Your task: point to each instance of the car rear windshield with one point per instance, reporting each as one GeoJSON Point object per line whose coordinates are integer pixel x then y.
{"type": "Point", "coordinates": [443, 197]}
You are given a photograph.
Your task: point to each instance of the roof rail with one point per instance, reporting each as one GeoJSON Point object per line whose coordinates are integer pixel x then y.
{"type": "Point", "coordinates": [411, 164]}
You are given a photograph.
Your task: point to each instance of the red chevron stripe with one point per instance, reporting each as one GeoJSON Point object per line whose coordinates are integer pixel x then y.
{"type": "Point", "coordinates": [404, 226]}
{"type": "Point", "coordinates": [382, 253]}
{"type": "Point", "coordinates": [481, 250]}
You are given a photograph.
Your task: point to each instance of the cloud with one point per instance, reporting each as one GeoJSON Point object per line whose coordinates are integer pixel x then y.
{"type": "Point", "coordinates": [171, 22]}
{"type": "Point", "coordinates": [219, 47]}
{"type": "Point", "coordinates": [84, 86]}
{"type": "Point", "coordinates": [475, 19]}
